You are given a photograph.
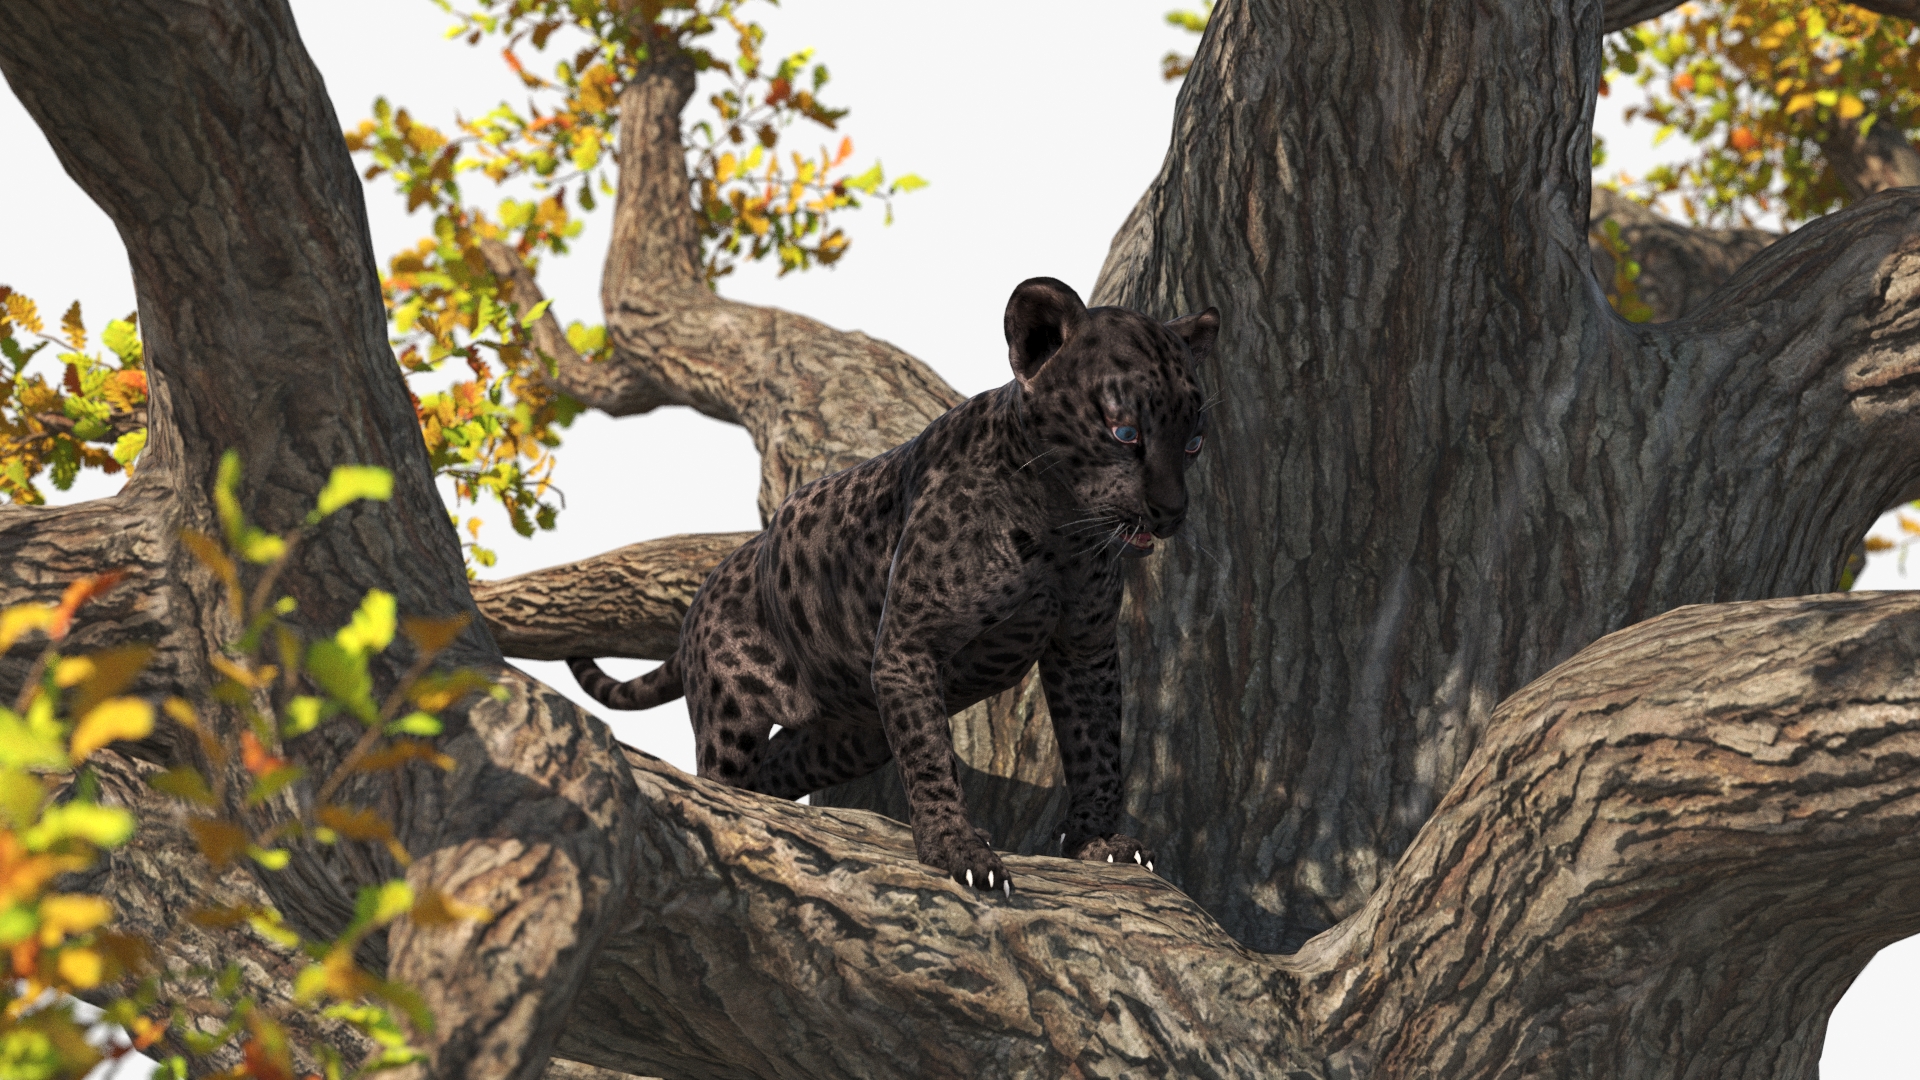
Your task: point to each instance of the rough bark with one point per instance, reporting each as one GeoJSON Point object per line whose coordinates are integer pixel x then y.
{"type": "Point", "coordinates": [1444, 464]}
{"type": "Point", "coordinates": [1658, 864]}
{"type": "Point", "coordinates": [1440, 467]}
{"type": "Point", "coordinates": [627, 602]}
{"type": "Point", "coordinates": [203, 130]}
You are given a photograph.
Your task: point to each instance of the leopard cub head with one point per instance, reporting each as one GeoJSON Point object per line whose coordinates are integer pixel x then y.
{"type": "Point", "coordinates": [1110, 397]}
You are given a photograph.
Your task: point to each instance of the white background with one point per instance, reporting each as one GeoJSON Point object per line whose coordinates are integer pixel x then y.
{"type": "Point", "coordinates": [1038, 124]}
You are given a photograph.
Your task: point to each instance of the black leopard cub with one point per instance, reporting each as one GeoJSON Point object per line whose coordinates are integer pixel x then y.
{"type": "Point", "coordinates": [883, 599]}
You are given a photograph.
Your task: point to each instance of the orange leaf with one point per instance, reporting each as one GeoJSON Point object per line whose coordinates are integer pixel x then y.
{"type": "Point", "coordinates": [432, 635]}
{"type": "Point", "coordinates": [255, 756]}
{"type": "Point", "coordinates": [79, 593]}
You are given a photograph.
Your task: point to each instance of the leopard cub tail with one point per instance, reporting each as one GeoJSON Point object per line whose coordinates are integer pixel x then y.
{"type": "Point", "coordinates": [656, 687]}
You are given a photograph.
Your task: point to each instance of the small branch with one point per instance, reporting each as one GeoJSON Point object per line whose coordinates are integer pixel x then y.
{"type": "Point", "coordinates": [1680, 266]}
{"type": "Point", "coordinates": [627, 602]}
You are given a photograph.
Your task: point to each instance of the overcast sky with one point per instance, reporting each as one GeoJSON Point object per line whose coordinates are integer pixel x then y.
{"type": "Point", "coordinates": [1038, 126]}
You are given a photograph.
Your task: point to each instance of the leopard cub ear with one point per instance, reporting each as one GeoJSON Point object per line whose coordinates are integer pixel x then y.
{"type": "Point", "coordinates": [1040, 318]}
{"type": "Point", "coordinates": [1198, 331]}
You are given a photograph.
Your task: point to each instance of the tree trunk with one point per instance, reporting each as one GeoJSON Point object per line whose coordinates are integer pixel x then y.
{"type": "Point", "coordinates": [203, 130]}
{"type": "Point", "coordinates": [1440, 467]}
{"type": "Point", "coordinates": [1444, 464]}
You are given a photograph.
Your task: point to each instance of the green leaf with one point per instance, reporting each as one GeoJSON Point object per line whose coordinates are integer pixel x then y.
{"type": "Point", "coordinates": [909, 182]}
{"type": "Point", "coordinates": [26, 745]}
{"type": "Point", "coordinates": [127, 447]}
{"type": "Point", "coordinates": [184, 782]}
{"type": "Point", "coordinates": [342, 674]}
{"type": "Point", "coordinates": [273, 783]}
{"type": "Point", "coordinates": [867, 181]}
{"type": "Point", "coordinates": [350, 483]}
{"type": "Point", "coordinates": [415, 723]}
{"type": "Point", "coordinates": [20, 797]}
{"type": "Point", "coordinates": [121, 336]}
{"type": "Point", "coordinates": [261, 547]}
{"type": "Point", "coordinates": [304, 713]}
{"type": "Point", "coordinates": [533, 316]}
{"type": "Point", "coordinates": [271, 858]}
{"type": "Point", "coordinates": [17, 924]}
{"type": "Point", "coordinates": [101, 826]}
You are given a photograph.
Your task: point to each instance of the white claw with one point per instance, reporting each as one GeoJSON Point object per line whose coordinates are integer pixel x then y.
{"type": "Point", "coordinates": [989, 879]}
{"type": "Point", "coordinates": [1149, 866]}
{"type": "Point", "coordinates": [1109, 858]}
{"type": "Point", "coordinates": [1008, 883]}
{"type": "Point", "coordinates": [1136, 858]}
{"type": "Point", "coordinates": [969, 879]}
{"type": "Point", "coordinates": [1063, 841]}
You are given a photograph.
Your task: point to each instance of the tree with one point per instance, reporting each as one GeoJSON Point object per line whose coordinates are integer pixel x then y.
{"type": "Point", "coordinates": [1488, 686]}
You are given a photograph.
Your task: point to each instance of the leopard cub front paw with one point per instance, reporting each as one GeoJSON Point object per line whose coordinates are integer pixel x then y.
{"type": "Point", "coordinates": [1115, 848]}
{"type": "Point", "coordinates": [966, 858]}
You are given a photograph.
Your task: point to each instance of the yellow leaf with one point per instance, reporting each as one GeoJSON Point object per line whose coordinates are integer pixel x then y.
{"type": "Point", "coordinates": [1851, 107]}
{"type": "Point", "coordinates": [394, 900]}
{"type": "Point", "coordinates": [115, 718]}
{"type": "Point", "coordinates": [74, 328]}
{"type": "Point", "coordinates": [65, 914]}
{"type": "Point", "coordinates": [1879, 543]}
{"type": "Point", "coordinates": [81, 968]}
{"type": "Point", "coordinates": [16, 622]}
{"type": "Point", "coordinates": [23, 313]}
{"type": "Point", "coordinates": [1799, 103]}
{"type": "Point", "coordinates": [1908, 525]}
{"type": "Point", "coordinates": [71, 671]}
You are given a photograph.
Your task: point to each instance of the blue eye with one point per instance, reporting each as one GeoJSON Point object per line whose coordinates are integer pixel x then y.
{"type": "Point", "coordinates": [1193, 444]}
{"type": "Point", "coordinates": [1126, 433]}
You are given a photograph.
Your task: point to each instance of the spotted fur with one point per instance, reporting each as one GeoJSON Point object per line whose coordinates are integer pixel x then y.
{"type": "Point", "coordinates": [885, 598]}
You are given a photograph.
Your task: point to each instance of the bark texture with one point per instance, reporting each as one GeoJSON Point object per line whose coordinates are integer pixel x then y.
{"type": "Point", "coordinates": [627, 602]}
{"type": "Point", "coordinates": [1442, 473]}
{"type": "Point", "coordinates": [1444, 463]}
{"type": "Point", "coordinates": [1668, 859]}
{"type": "Point", "coordinates": [203, 130]}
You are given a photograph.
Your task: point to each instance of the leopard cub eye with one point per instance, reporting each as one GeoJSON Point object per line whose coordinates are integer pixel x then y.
{"type": "Point", "coordinates": [1193, 444]}
{"type": "Point", "coordinates": [1126, 433]}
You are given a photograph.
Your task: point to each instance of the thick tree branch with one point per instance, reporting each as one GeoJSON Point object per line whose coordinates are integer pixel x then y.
{"type": "Point", "coordinates": [627, 602]}
{"type": "Point", "coordinates": [1717, 798]}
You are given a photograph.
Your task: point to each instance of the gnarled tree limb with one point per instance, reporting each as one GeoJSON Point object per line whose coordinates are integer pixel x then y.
{"type": "Point", "coordinates": [1697, 804]}
{"type": "Point", "coordinates": [627, 602]}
